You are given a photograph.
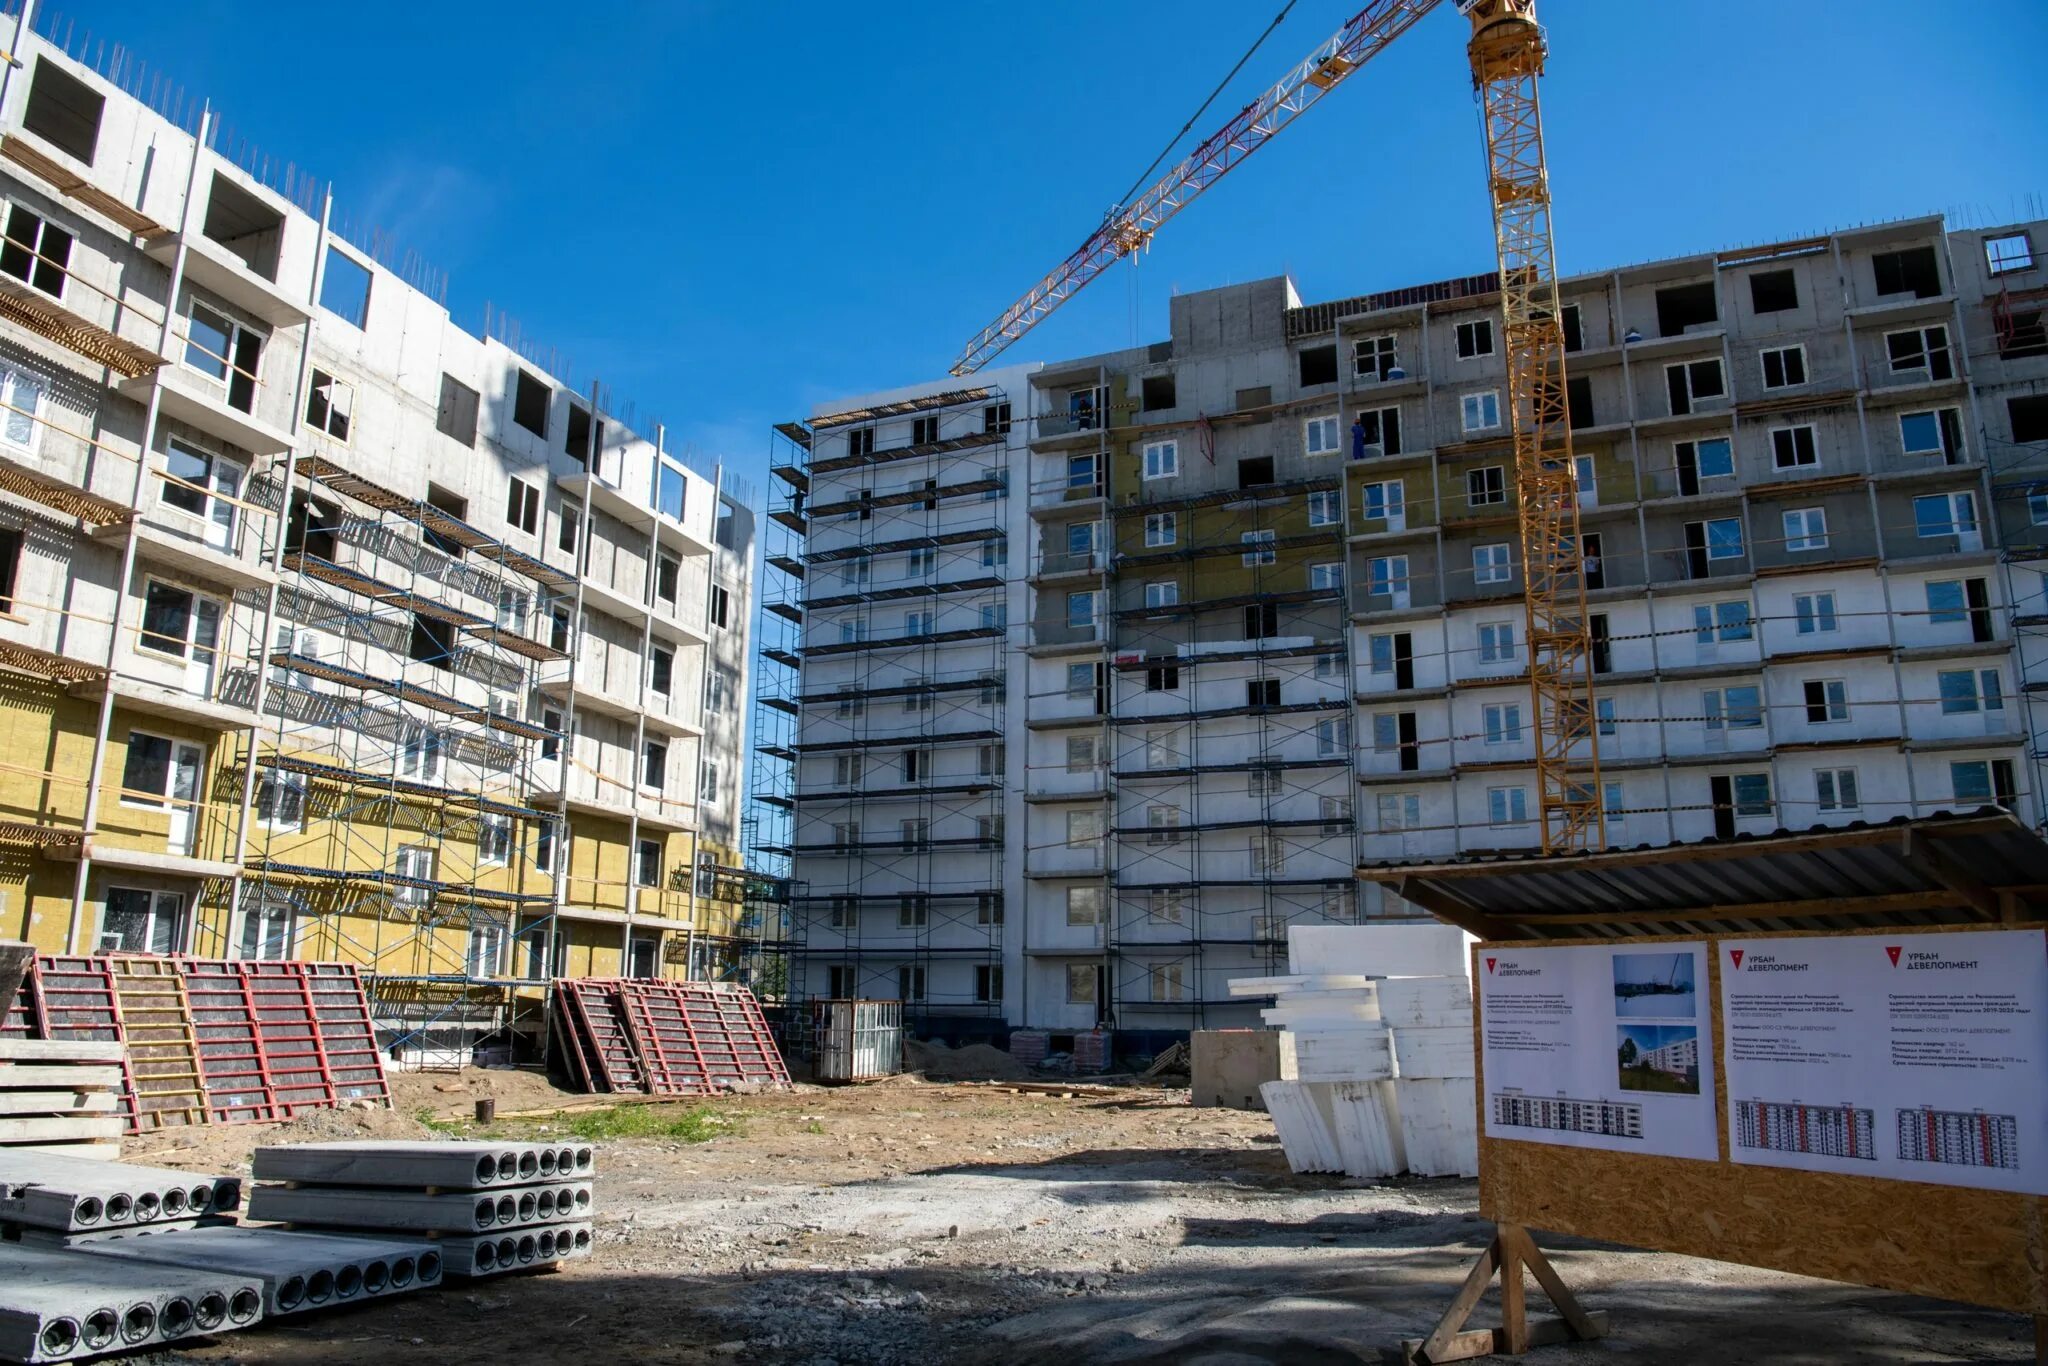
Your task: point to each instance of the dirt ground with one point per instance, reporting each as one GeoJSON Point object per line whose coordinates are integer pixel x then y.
{"type": "Point", "coordinates": [921, 1223]}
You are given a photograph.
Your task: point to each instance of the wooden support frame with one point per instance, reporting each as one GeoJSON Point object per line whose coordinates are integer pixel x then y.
{"type": "Point", "coordinates": [1511, 1252]}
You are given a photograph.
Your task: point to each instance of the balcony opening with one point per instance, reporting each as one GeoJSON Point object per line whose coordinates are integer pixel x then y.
{"type": "Point", "coordinates": [1773, 291]}
{"type": "Point", "coordinates": [433, 642]}
{"type": "Point", "coordinates": [1914, 271]}
{"type": "Point", "coordinates": [580, 441]}
{"type": "Point", "coordinates": [312, 527]}
{"type": "Point", "coordinates": [1685, 306]}
{"type": "Point", "coordinates": [456, 507]}
{"type": "Point", "coordinates": [345, 288]}
{"type": "Point", "coordinates": [246, 226]}
{"type": "Point", "coordinates": [1318, 365]}
{"type": "Point", "coordinates": [530, 404]}
{"type": "Point", "coordinates": [63, 110]}
{"type": "Point", "coordinates": [1157, 392]}
{"type": "Point", "coordinates": [1255, 472]}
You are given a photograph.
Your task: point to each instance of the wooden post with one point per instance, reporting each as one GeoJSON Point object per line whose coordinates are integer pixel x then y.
{"type": "Point", "coordinates": [1511, 1250]}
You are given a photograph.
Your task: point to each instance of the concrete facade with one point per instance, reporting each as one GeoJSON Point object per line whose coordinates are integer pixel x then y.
{"type": "Point", "coordinates": [487, 649]}
{"type": "Point", "coordinates": [1261, 615]}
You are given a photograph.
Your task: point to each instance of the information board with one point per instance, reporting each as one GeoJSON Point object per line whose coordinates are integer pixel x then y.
{"type": "Point", "coordinates": [1920, 1057]}
{"type": "Point", "coordinates": [1596, 1047]}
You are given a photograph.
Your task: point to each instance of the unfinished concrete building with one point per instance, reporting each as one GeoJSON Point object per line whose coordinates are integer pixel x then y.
{"type": "Point", "coordinates": [332, 629]}
{"type": "Point", "coordinates": [1245, 605]}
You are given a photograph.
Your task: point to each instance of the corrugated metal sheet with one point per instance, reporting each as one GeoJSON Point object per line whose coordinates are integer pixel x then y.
{"type": "Point", "coordinates": [1944, 869]}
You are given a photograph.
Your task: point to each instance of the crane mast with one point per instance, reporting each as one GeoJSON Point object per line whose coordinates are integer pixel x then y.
{"type": "Point", "coordinates": [1507, 52]}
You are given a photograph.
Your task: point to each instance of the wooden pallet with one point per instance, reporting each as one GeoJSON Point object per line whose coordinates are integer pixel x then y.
{"type": "Point", "coordinates": [163, 1044]}
{"type": "Point", "coordinates": [58, 1095]}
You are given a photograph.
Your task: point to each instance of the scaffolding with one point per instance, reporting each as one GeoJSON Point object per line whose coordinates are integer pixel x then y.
{"type": "Point", "coordinates": [899, 726]}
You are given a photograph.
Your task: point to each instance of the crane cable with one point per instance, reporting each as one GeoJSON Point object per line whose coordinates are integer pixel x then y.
{"type": "Point", "coordinates": [1166, 151]}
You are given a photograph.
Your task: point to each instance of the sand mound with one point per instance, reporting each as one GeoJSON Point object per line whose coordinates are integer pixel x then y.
{"type": "Point", "coordinates": [976, 1062]}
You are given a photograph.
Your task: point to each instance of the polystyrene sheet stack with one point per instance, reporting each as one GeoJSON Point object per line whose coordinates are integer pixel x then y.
{"type": "Point", "coordinates": [490, 1207]}
{"type": "Point", "coordinates": [1334, 1109]}
{"type": "Point", "coordinates": [1430, 1019]}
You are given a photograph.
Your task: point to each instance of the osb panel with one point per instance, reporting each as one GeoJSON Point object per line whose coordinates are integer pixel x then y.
{"type": "Point", "coordinates": [1980, 1247]}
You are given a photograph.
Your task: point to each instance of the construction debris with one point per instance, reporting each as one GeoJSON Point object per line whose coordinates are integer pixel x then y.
{"type": "Point", "coordinates": [641, 1036]}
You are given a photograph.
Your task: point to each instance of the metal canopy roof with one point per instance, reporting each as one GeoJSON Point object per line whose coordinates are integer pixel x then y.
{"type": "Point", "coordinates": [1956, 868]}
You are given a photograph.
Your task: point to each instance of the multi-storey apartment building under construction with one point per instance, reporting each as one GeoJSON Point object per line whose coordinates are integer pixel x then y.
{"type": "Point", "coordinates": [1101, 674]}
{"type": "Point", "coordinates": [330, 629]}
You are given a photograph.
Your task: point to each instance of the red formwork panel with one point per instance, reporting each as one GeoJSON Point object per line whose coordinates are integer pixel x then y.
{"type": "Point", "coordinates": [347, 1039]}
{"type": "Point", "coordinates": [594, 1007]}
{"type": "Point", "coordinates": [696, 1038]}
{"type": "Point", "coordinates": [571, 1042]}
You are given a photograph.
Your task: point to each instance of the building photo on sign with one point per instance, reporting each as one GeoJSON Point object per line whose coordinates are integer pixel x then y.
{"type": "Point", "coordinates": [1659, 1058]}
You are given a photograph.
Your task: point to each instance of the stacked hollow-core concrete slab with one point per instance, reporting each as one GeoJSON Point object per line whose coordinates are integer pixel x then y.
{"type": "Point", "coordinates": [70, 1195]}
{"type": "Point", "coordinates": [58, 1305]}
{"type": "Point", "coordinates": [491, 1207]}
{"type": "Point", "coordinates": [298, 1271]}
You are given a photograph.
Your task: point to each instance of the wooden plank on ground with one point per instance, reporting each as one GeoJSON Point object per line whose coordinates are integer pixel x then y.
{"type": "Point", "coordinates": [95, 1152]}
{"type": "Point", "coordinates": [15, 1076]}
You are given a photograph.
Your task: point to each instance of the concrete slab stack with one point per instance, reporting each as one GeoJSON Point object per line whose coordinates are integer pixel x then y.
{"type": "Point", "coordinates": [66, 1305]}
{"type": "Point", "coordinates": [488, 1207]}
{"type": "Point", "coordinates": [49, 1193]}
{"type": "Point", "coordinates": [298, 1271]}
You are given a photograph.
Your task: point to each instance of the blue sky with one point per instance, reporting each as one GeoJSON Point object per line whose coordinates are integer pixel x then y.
{"type": "Point", "coordinates": [729, 210]}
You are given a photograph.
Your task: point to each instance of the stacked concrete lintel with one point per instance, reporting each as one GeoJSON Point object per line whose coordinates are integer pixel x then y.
{"type": "Point", "coordinates": [490, 1207]}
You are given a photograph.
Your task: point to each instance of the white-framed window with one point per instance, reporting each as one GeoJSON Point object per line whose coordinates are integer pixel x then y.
{"type": "Point", "coordinates": [709, 782]}
{"type": "Point", "coordinates": [910, 982]}
{"type": "Point", "coordinates": [1166, 982]}
{"type": "Point", "coordinates": [204, 485]}
{"type": "Point", "coordinates": [1613, 803]}
{"type": "Point", "coordinates": [1162, 459]}
{"type": "Point", "coordinates": [417, 862]}
{"type": "Point", "coordinates": [21, 425]}
{"type": "Point", "coordinates": [1162, 824]}
{"type": "Point", "coordinates": [1162, 593]}
{"type": "Point", "coordinates": [1784, 367]}
{"type": "Point", "coordinates": [1793, 448]}
{"type": "Point", "coordinates": [1081, 984]}
{"type": "Point", "coordinates": [1085, 830]}
{"type": "Point", "coordinates": [1980, 780]}
{"type": "Point", "coordinates": [1966, 692]}
{"type": "Point", "coordinates": [1945, 514]}
{"type": "Point", "coordinates": [1585, 480]}
{"type": "Point", "coordinates": [1827, 700]}
{"type": "Point", "coordinates": [1080, 682]}
{"type": "Point", "coordinates": [1751, 793]}
{"type": "Point", "coordinates": [1265, 554]}
{"type": "Point", "coordinates": [920, 622]}
{"type": "Point", "coordinates": [1496, 642]}
{"type": "Point", "coordinates": [270, 931]}
{"type": "Point", "coordinates": [1269, 855]}
{"type": "Point", "coordinates": [1948, 601]}
{"type": "Point", "coordinates": [1475, 338]}
{"type": "Point", "coordinates": [1936, 432]}
{"type": "Point", "coordinates": [1085, 905]}
{"type": "Point", "coordinates": [1738, 707]}
{"type": "Point", "coordinates": [1834, 790]}
{"type": "Point", "coordinates": [845, 770]}
{"type": "Point", "coordinates": [1081, 611]}
{"type": "Point", "coordinates": [1921, 348]}
{"type": "Point", "coordinates": [1507, 805]}
{"type": "Point", "coordinates": [1319, 435]}
{"type": "Point", "coordinates": [1162, 749]}
{"type": "Point", "coordinates": [1399, 810]}
{"type": "Point", "coordinates": [139, 920]}
{"type": "Point", "coordinates": [281, 801]}
{"type": "Point", "coordinates": [852, 630]}
{"type": "Point", "coordinates": [1325, 508]}
{"type": "Point", "coordinates": [914, 832]}
{"type": "Point", "coordinates": [1723, 537]}
{"type": "Point", "coordinates": [1264, 780]}
{"type": "Point", "coordinates": [1480, 412]}
{"type": "Point", "coordinates": [1386, 575]}
{"type": "Point", "coordinates": [916, 564]}
{"type": "Point", "coordinates": [176, 621]}
{"type": "Point", "coordinates": [1333, 736]}
{"type": "Point", "coordinates": [420, 756]}
{"type": "Point", "coordinates": [1486, 486]}
{"type": "Point", "coordinates": [1083, 753]}
{"type": "Point", "coordinates": [1491, 563]}
{"type": "Point", "coordinates": [2007, 252]}
{"type": "Point", "coordinates": [36, 252]}
{"type": "Point", "coordinates": [493, 839]}
{"type": "Point", "coordinates": [1604, 716]}
{"type": "Point", "coordinates": [1384, 499]}
{"type": "Point", "coordinates": [225, 350]}
{"type": "Point", "coordinates": [1691, 383]}
{"type": "Point", "coordinates": [1710, 459]}
{"type": "Point", "coordinates": [654, 765]}
{"type": "Point", "coordinates": [522, 506]}
{"type": "Point", "coordinates": [1325, 576]}
{"type": "Point", "coordinates": [1813, 613]}
{"type": "Point", "coordinates": [2037, 509]}
{"type": "Point", "coordinates": [1166, 905]}
{"type": "Point", "coordinates": [1081, 471]}
{"type": "Point", "coordinates": [1161, 529]}
{"type": "Point", "coordinates": [1373, 358]}
{"type": "Point", "coordinates": [995, 616]}
{"type": "Point", "coordinates": [1721, 621]}
{"type": "Point", "coordinates": [1386, 732]}
{"type": "Point", "coordinates": [913, 912]}
{"type": "Point", "coordinates": [1503, 723]}
{"type": "Point", "coordinates": [1806, 529]}
{"type": "Point", "coordinates": [330, 407]}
